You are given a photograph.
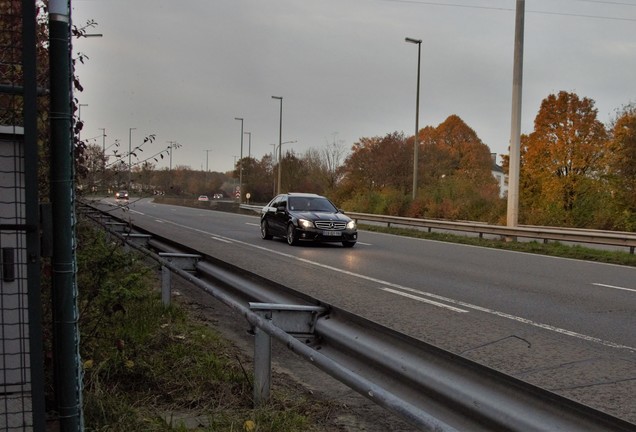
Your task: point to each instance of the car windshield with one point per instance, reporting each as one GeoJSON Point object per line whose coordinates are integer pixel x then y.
{"type": "Point", "coordinates": [311, 204]}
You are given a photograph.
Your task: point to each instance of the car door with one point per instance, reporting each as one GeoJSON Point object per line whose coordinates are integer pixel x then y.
{"type": "Point", "coordinates": [280, 216]}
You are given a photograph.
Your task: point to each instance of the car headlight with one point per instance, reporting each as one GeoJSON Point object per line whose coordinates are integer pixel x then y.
{"type": "Point", "coordinates": [351, 225]}
{"type": "Point", "coordinates": [304, 223]}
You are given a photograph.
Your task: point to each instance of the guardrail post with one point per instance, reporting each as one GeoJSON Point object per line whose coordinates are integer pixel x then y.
{"type": "Point", "coordinates": [138, 239]}
{"type": "Point", "coordinates": [262, 366]}
{"type": "Point", "coordinates": [166, 283]}
{"type": "Point", "coordinates": [118, 227]}
{"type": "Point", "coordinates": [186, 262]}
{"type": "Point", "coordinates": [297, 320]}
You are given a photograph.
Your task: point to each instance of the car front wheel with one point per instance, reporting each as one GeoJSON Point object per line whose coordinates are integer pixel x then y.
{"type": "Point", "coordinates": [291, 235]}
{"type": "Point", "coordinates": [265, 235]}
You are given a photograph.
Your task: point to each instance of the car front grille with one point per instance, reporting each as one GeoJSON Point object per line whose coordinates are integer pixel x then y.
{"type": "Point", "coordinates": [331, 225]}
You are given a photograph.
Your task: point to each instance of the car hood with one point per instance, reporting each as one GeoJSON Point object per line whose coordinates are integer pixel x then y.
{"type": "Point", "coordinates": [322, 216]}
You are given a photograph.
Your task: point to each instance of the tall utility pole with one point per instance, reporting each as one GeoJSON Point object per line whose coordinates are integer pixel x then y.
{"type": "Point", "coordinates": [172, 144]}
{"type": "Point", "coordinates": [280, 143]}
{"type": "Point", "coordinates": [240, 163]}
{"type": "Point", "coordinates": [515, 129]}
{"type": "Point", "coordinates": [416, 143]}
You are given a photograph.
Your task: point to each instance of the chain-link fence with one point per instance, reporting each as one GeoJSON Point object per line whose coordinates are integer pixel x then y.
{"type": "Point", "coordinates": [21, 371]}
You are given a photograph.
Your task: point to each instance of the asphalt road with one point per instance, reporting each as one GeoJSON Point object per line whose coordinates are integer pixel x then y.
{"type": "Point", "coordinates": [566, 325]}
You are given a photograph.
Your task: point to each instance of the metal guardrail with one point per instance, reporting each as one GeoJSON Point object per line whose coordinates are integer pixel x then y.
{"type": "Point", "coordinates": [434, 390]}
{"type": "Point", "coordinates": [610, 238]}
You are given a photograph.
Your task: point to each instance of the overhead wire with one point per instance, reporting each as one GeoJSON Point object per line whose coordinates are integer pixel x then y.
{"type": "Point", "coordinates": [576, 15]}
{"type": "Point", "coordinates": [607, 2]}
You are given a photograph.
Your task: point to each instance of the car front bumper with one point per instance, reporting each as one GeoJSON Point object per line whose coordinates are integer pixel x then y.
{"type": "Point", "coordinates": [326, 236]}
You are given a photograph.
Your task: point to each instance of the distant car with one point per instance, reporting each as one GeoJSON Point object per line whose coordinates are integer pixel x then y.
{"type": "Point", "coordinates": [121, 195]}
{"type": "Point", "coordinates": [306, 217]}
{"type": "Point", "coordinates": [203, 198]}
{"type": "Point", "coordinates": [218, 196]}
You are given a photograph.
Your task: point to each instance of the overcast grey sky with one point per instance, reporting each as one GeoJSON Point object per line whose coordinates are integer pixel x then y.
{"type": "Point", "coordinates": [183, 70]}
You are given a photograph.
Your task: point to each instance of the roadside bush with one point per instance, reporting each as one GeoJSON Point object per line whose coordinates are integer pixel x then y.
{"type": "Point", "coordinates": [150, 368]}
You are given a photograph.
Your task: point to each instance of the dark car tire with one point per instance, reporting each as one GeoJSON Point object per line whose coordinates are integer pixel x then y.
{"type": "Point", "coordinates": [348, 244]}
{"type": "Point", "coordinates": [292, 240]}
{"type": "Point", "coordinates": [265, 235]}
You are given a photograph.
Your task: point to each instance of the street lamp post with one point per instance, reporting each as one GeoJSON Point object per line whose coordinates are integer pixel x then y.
{"type": "Point", "coordinates": [129, 154]}
{"type": "Point", "coordinates": [273, 161]}
{"type": "Point", "coordinates": [417, 115]}
{"type": "Point", "coordinates": [207, 152]}
{"type": "Point", "coordinates": [280, 141]}
{"type": "Point", "coordinates": [249, 144]}
{"type": "Point", "coordinates": [103, 142]}
{"type": "Point", "coordinates": [240, 162]}
{"type": "Point", "coordinates": [249, 149]}
{"type": "Point", "coordinates": [103, 156]}
{"type": "Point", "coordinates": [278, 146]}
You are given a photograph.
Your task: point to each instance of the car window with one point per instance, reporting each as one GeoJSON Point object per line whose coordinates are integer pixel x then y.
{"type": "Point", "coordinates": [298, 204]}
{"type": "Point", "coordinates": [321, 205]}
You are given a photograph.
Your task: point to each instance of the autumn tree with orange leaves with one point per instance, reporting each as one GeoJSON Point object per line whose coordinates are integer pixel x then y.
{"type": "Point", "coordinates": [455, 179]}
{"type": "Point", "coordinates": [623, 186]}
{"type": "Point", "coordinates": [564, 163]}
{"type": "Point", "coordinates": [456, 175]}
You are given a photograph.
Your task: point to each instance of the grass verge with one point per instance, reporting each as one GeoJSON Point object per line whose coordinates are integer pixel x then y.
{"type": "Point", "coordinates": [153, 368]}
{"type": "Point", "coordinates": [551, 248]}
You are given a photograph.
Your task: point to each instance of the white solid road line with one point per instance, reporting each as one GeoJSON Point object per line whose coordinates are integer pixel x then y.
{"type": "Point", "coordinates": [614, 287]}
{"type": "Point", "coordinates": [422, 299]}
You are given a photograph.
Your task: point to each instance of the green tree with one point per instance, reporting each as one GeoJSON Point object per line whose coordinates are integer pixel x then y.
{"type": "Point", "coordinates": [94, 161]}
{"type": "Point", "coordinates": [257, 178]}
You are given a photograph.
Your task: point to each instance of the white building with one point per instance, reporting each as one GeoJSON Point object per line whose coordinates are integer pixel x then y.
{"type": "Point", "coordinates": [502, 178]}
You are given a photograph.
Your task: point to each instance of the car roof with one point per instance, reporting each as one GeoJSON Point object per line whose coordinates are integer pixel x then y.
{"type": "Point", "coordinates": [302, 194]}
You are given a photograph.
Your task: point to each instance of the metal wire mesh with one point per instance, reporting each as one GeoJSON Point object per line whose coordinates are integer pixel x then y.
{"type": "Point", "coordinates": [15, 381]}
{"type": "Point", "coordinates": [16, 407]}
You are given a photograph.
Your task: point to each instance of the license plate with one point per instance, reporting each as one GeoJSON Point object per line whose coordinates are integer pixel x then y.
{"type": "Point", "coordinates": [332, 233]}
